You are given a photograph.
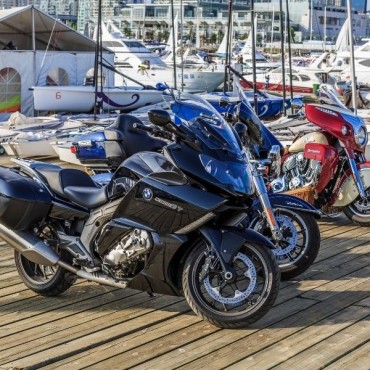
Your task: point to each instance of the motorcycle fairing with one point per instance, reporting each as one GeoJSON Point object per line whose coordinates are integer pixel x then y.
{"type": "Point", "coordinates": [168, 208]}
{"type": "Point", "coordinates": [281, 200]}
{"type": "Point", "coordinates": [156, 278]}
{"type": "Point", "coordinates": [347, 191]}
{"type": "Point", "coordinates": [332, 119]}
{"type": "Point", "coordinates": [328, 156]}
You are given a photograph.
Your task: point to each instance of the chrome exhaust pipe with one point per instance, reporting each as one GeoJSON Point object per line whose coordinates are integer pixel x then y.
{"type": "Point", "coordinates": [35, 250]}
{"type": "Point", "coordinates": [31, 247]}
{"type": "Point", "coordinates": [97, 277]}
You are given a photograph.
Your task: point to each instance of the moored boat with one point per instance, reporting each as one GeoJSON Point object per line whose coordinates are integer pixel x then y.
{"type": "Point", "coordinates": [82, 98]}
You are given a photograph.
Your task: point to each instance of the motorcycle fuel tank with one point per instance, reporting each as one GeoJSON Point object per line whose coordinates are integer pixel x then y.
{"type": "Point", "coordinates": [312, 137]}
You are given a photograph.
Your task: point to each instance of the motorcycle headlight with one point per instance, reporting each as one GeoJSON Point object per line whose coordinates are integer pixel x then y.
{"type": "Point", "coordinates": [231, 174]}
{"type": "Point", "coordinates": [361, 136]}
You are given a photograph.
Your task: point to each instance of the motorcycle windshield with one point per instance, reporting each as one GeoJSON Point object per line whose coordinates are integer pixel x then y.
{"type": "Point", "coordinates": [205, 122]}
{"type": "Point", "coordinates": [222, 154]}
{"type": "Point", "coordinates": [260, 135]}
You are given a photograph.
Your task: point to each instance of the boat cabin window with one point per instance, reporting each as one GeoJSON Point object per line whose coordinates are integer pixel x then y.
{"type": "Point", "coordinates": [365, 62]}
{"type": "Point", "coordinates": [304, 77]}
{"type": "Point", "coordinates": [112, 44]}
{"type": "Point", "coordinates": [133, 44]}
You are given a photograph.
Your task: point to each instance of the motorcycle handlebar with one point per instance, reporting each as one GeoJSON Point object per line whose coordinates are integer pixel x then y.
{"type": "Point", "coordinates": [153, 131]}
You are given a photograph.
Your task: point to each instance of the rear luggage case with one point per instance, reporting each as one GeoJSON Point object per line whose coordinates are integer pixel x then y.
{"type": "Point", "coordinates": [23, 202]}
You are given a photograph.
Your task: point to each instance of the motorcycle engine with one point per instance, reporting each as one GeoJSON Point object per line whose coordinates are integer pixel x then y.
{"type": "Point", "coordinates": [127, 257]}
{"type": "Point", "coordinates": [298, 172]}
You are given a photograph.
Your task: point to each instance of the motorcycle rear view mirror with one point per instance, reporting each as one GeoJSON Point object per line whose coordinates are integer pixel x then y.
{"type": "Point", "coordinates": [224, 102]}
{"type": "Point", "coordinates": [297, 104]}
{"type": "Point", "coordinates": [159, 117]}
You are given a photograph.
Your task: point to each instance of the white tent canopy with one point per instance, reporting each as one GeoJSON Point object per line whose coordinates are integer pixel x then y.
{"type": "Point", "coordinates": [38, 50]}
{"type": "Point", "coordinates": [28, 28]}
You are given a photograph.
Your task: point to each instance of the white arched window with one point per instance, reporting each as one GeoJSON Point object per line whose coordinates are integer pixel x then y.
{"type": "Point", "coordinates": [10, 90]}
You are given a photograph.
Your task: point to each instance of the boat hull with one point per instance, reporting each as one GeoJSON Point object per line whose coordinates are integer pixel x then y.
{"type": "Point", "coordinates": [271, 86]}
{"type": "Point", "coordinates": [82, 98]}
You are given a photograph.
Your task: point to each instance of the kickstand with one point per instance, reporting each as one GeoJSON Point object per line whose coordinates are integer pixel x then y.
{"type": "Point", "coordinates": [150, 294]}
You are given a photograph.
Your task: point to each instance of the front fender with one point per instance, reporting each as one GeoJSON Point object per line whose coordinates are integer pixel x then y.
{"type": "Point", "coordinates": [348, 191]}
{"type": "Point", "coordinates": [228, 241]}
{"type": "Point", "coordinates": [281, 200]}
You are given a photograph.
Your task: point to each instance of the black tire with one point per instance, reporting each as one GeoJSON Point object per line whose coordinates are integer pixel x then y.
{"type": "Point", "coordinates": [359, 211]}
{"type": "Point", "coordinates": [2, 150]}
{"type": "Point", "coordinates": [45, 280]}
{"type": "Point", "coordinates": [300, 244]}
{"type": "Point", "coordinates": [235, 305]}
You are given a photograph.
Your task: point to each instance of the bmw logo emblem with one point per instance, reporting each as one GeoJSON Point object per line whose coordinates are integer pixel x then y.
{"type": "Point", "coordinates": [147, 194]}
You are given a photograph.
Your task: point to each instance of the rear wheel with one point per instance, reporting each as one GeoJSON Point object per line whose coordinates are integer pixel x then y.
{"type": "Point", "coordinates": [236, 303]}
{"type": "Point", "coordinates": [44, 280]}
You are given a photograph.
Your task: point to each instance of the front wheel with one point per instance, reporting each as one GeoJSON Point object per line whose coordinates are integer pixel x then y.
{"type": "Point", "coordinates": [300, 241]}
{"type": "Point", "coordinates": [236, 303]}
{"type": "Point", "coordinates": [359, 210]}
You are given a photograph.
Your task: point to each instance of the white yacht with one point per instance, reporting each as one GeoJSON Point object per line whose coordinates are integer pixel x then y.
{"type": "Point", "coordinates": [137, 62]}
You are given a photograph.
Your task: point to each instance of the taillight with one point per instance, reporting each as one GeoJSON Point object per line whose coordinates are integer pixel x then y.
{"type": "Point", "coordinates": [74, 149]}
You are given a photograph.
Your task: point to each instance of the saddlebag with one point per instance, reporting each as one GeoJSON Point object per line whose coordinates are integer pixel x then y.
{"type": "Point", "coordinates": [23, 202]}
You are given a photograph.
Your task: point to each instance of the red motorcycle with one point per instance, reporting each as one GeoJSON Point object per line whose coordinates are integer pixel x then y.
{"type": "Point", "coordinates": [328, 166]}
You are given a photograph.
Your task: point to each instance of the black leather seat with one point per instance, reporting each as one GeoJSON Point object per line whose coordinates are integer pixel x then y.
{"type": "Point", "coordinates": [133, 140]}
{"type": "Point", "coordinates": [74, 185]}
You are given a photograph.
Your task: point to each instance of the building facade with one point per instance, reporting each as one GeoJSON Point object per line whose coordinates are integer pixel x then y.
{"type": "Point", "coordinates": [152, 19]}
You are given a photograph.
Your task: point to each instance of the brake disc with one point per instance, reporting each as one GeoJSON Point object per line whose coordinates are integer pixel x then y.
{"type": "Point", "coordinates": [239, 296]}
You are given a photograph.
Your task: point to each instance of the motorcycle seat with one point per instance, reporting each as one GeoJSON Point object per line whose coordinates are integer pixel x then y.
{"type": "Point", "coordinates": [74, 185]}
{"type": "Point", "coordinates": [134, 140]}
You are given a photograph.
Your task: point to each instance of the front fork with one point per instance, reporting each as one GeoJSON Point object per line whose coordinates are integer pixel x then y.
{"type": "Point", "coordinates": [357, 177]}
{"type": "Point", "coordinates": [262, 195]}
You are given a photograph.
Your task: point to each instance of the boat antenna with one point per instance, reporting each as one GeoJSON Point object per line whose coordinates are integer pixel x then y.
{"type": "Point", "coordinates": [228, 44]}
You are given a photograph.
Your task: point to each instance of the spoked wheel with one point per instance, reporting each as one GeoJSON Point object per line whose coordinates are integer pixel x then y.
{"type": "Point", "coordinates": [359, 210]}
{"type": "Point", "coordinates": [44, 280]}
{"type": "Point", "coordinates": [236, 303]}
{"type": "Point", "coordinates": [300, 244]}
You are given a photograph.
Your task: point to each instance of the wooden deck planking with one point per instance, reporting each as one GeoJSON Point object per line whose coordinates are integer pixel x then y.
{"type": "Point", "coordinates": [320, 319]}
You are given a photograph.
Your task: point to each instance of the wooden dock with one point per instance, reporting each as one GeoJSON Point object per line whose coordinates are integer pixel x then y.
{"type": "Point", "coordinates": [321, 320]}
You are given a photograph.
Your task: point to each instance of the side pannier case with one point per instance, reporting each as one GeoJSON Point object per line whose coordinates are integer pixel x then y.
{"type": "Point", "coordinates": [23, 202]}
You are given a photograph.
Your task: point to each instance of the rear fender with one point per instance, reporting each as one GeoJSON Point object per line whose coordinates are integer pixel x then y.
{"type": "Point", "coordinates": [281, 200]}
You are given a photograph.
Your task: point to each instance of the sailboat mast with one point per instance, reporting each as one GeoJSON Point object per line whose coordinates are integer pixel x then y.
{"type": "Point", "coordinates": [254, 72]}
{"type": "Point", "coordinates": [228, 44]}
{"type": "Point", "coordinates": [272, 29]}
{"type": "Point", "coordinates": [289, 52]}
{"type": "Point", "coordinates": [282, 52]}
{"type": "Point", "coordinates": [97, 57]}
{"type": "Point", "coordinates": [174, 38]}
{"type": "Point", "coordinates": [351, 49]}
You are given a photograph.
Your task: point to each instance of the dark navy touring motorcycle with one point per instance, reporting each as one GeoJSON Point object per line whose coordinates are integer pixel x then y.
{"type": "Point", "coordinates": [154, 227]}
{"type": "Point", "coordinates": [289, 222]}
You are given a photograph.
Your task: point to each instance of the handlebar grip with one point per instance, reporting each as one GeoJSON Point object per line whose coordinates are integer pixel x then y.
{"type": "Point", "coordinates": [143, 127]}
